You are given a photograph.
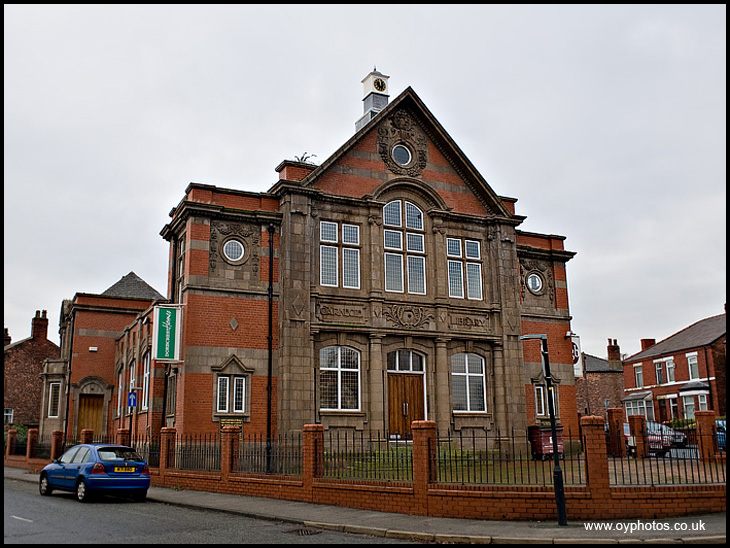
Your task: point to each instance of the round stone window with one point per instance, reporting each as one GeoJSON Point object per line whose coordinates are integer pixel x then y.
{"type": "Point", "coordinates": [401, 155]}
{"type": "Point", "coordinates": [233, 250]}
{"type": "Point", "coordinates": [535, 283]}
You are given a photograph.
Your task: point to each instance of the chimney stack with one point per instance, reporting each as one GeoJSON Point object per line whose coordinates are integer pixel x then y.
{"type": "Point", "coordinates": [647, 343]}
{"type": "Point", "coordinates": [613, 352]}
{"type": "Point", "coordinates": [7, 337]}
{"type": "Point", "coordinates": [39, 328]}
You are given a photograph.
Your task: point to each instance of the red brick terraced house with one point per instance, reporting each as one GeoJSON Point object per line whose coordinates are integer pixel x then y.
{"type": "Point", "coordinates": [682, 374]}
{"type": "Point", "coordinates": [22, 367]}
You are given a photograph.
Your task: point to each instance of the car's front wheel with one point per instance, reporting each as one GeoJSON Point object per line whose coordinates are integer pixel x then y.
{"type": "Point", "coordinates": [44, 487]}
{"type": "Point", "coordinates": [82, 491]}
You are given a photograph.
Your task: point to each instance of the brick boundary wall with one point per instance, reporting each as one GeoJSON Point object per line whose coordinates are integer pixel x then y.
{"type": "Point", "coordinates": [596, 500]}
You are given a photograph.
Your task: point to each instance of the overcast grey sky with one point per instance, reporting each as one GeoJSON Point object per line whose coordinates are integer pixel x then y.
{"type": "Point", "coordinates": [606, 122]}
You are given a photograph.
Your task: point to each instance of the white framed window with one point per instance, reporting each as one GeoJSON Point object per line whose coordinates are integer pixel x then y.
{"type": "Point", "coordinates": [132, 378]}
{"type": "Point", "coordinates": [351, 268]}
{"type": "Point", "coordinates": [404, 248]}
{"type": "Point", "coordinates": [54, 399]}
{"type": "Point", "coordinates": [468, 386]}
{"type": "Point", "coordinates": [670, 370]}
{"type": "Point", "coordinates": [231, 394]}
{"type": "Point", "coordinates": [542, 403]}
{"type": "Point", "coordinates": [415, 243]}
{"type": "Point", "coordinates": [474, 281]}
{"type": "Point", "coordinates": [456, 279]}
{"type": "Point", "coordinates": [702, 402]}
{"type": "Point", "coordinates": [640, 407]}
{"type": "Point", "coordinates": [350, 234]}
{"type": "Point", "coordinates": [394, 272]}
{"type": "Point", "coordinates": [233, 250]}
{"type": "Point", "coordinates": [9, 415]}
{"type": "Point", "coordinates": [694, 367]}
{"type": "Point", "coordinates": [638, 376]}
{"type": "Point", "coordinates": [120, 392]}
{"type": "Point", "coordinates": [393, 239]}
{"type": "Point", "coordinates": [328, 269]}
{"type": "Point", "coordinates": [146, 361]}
{"type": "Point", "coordinates": [392, 214]}
{"type": "Point", "coordinates": [540, 409]}
{"type": "Point", "coordinates": [328, 231]}
{"type": "Point", "coordinates": [339, 378]}
{"type": "Point", "coordinates": [688, 403]}
{"type": "Point", "coordinates": [239, 394]}
{"type": "Point", "coordinates": [329, 255]}
{"type": "Point", "coordinates": [462, 270]}
{"type": "Point", "coordinates": [472, 249]}
{"type": "Point", "coordinates": [416, 275]}
{"type": "Point", "coordinates": [659, 368]}
{"type": "Point", "coordinates": [222, 397]}
{"type": "Point", "coordinates": [414, 217]}
{"type": "Point", "coordinates": [453, 247]}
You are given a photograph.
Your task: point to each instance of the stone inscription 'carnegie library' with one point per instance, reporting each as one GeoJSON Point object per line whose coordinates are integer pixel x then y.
{"type": "Point", "coordinates": [328, 312]}
{"type": "Point", "coordinates": [468, 322]}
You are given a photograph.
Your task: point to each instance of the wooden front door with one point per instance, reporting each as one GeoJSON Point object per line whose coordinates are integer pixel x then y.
{"type": "Point", "coordinates": [405, 403]}
{"type": "Point", "coordinates": [91, 408]}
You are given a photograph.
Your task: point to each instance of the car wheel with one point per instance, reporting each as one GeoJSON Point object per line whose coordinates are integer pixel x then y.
{"type": "Point", "coordinates": [82, 492]}
{"type": "Point", "coordinates": [44, 487]}
{"type": "Point", "coordinates": [140, 496]}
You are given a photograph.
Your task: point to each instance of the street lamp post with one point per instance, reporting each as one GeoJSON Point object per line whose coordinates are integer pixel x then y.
{"type": "Point", "coordinates": [557, 471]}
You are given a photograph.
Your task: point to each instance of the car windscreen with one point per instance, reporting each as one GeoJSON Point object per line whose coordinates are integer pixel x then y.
{"type": "Point", "coordinates": [119, 453]}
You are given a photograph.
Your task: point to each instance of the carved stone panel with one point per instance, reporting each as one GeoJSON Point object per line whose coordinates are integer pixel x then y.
{"type": "Point", "coordinates": [401, 129]}
{"type": "Point", "coordinates": [248, 235]}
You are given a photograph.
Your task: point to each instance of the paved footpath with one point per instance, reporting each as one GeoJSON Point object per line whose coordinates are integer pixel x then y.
{"type": "Point", "coordinates": [698, 529]}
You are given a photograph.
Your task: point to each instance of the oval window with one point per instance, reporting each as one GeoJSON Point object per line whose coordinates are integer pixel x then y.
{"type": "Point", "coordinates": [534, 282]}
{"type": "Point", "coordinates": [401, 155]}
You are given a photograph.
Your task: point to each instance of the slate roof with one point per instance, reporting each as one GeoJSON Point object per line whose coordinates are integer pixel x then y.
{"type": "Point", "coordinates": [698, 334]}
{"type": "Point", "coordinates": [594, 364]}
{"type": "Point", "coordinates": [134, 287]}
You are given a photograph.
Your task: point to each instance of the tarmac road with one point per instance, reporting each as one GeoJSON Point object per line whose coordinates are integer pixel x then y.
{"type": "Point", "coordinates": [704, 529]}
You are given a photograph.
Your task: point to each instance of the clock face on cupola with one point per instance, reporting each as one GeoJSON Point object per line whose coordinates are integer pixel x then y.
{"type": "Point", "coordinates": [375, 82]}
{"type": "Point", "coordinates": [375, 96]}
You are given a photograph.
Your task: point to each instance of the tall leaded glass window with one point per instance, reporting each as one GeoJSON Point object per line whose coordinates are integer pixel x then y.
{"type": "Point", "coordinates": [335, 251]}
{"type": "Point", "coordinates": [464, 269]}
{"type": "Point", "coordinates": [339, 378]}
{"type": "Point", "coordinates": [405, 248]}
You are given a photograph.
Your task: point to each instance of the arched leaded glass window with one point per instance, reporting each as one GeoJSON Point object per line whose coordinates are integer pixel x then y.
{"type": "Point", "coordinates": [405, 248]}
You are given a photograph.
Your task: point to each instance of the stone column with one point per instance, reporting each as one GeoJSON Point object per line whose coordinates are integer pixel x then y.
{"type": "Point", "coordinates": [441, 390]}
{"type": "Point", "coordinates": [376, 379]}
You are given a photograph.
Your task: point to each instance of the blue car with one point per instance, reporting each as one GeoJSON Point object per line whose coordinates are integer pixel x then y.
{"type": "Point", "coordinates": [97, 468]}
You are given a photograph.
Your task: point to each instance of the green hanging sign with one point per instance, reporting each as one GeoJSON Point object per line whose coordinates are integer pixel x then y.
{"type": "Point", "coordinates": [166, 341]}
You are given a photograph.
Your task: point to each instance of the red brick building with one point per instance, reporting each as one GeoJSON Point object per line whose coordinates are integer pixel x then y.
{"type": "Point", "coordinates": [90, 326]}
{"type": "Point", "coordinates": [682, 374]}
{"type": "Point", "coordinates": [601, 386]}
{"type": "Point", "coordinates": [22, 368]}
{"type": "Point", "coordinates": [386, 285]}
